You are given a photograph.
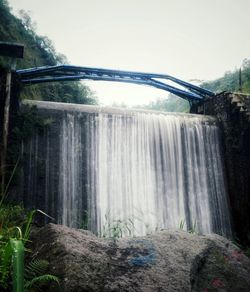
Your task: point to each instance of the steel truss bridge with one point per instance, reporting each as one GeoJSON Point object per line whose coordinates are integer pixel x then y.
{"type": "Point", "coordinates": [189, 91]}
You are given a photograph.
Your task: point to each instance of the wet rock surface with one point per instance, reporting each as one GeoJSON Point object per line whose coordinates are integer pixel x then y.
{"type": "Point", "coordinates": [168, 260]}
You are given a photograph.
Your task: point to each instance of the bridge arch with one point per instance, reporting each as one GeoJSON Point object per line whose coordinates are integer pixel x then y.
{"type": "Point", "coordinates": [44, 74]}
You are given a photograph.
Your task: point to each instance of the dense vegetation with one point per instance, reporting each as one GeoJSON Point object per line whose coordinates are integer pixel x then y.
{"type": "Point", "coordinates": [17, 272]}
{"type": "Point", "coordinates": [231, 80]}
{"type": "Point", "coordinates": [39, 51]}
{"type": "Point", "coordinates": [234, 81]}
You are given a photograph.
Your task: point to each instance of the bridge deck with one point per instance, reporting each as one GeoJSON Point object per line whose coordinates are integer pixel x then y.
{"type": "Point", "coordinates": [67, 72]}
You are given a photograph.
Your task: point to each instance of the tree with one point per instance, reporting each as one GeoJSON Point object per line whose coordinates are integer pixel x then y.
{"type": "Point", "coordinates": [39, 51]}
{"type": "Point", "coordinates": [230, 80]}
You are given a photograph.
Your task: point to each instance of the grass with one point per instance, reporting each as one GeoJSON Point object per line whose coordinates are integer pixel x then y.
{"type": "Point", "coordinates": [117, 228]}
{"type": "Point", "coordinates": [192, 229]}
{"type": "Point", "coordinates": [15, 226]}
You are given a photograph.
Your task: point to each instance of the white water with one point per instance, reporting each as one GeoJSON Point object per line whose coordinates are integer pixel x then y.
{"type": "Point", "coordinates": [157, 170]}
{"type": "Point", "coordinates": [145, 169]}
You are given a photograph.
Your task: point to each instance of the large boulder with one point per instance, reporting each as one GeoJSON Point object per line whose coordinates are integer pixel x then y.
{"type": "Point", "coordinates": [169, 260]}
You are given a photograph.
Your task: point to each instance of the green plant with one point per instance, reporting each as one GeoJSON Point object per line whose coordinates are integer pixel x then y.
{"type": "Point", "coordinates": [11, 247]}
{"type": "Point", "coordinates": [181, 225]}
{"type": "Point", "coordinates": [5, 262]}
{"type": "Point", "coordinates": [13, 239]}
{"type": "Point", "coordinates": [17, 264]}
{"type": "Point", "coordinates": [12, 257]}
{"type": "Point", "coordinates": [192, 229]}
{"type": "Point", "coordinates": [29, 220]}
{"type": "Point", "coordinates": [39, 51]}
{"type": "Point", "coordinates": [116, 228]}
{"type": "Point", "coordinates": [35, 275]}
{"type": "Point", "coordinates": [4, 189]}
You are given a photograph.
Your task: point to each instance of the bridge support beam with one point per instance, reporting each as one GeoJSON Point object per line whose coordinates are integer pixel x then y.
{"type": "Point", "coordinates": [11, 51]}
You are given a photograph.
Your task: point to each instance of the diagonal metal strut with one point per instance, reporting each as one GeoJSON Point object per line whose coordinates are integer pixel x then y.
{"type": "Point", "coordinates": [69, 73]}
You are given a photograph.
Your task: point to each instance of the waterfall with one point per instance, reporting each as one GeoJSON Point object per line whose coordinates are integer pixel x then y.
{"type": "Point", "coordinates": [145, 170]}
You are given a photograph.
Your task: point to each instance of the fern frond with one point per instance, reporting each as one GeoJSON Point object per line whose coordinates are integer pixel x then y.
{"type": "Point", "coordinates": [43, 279]}
{"type": "Point", "coordinates": [36, 268]}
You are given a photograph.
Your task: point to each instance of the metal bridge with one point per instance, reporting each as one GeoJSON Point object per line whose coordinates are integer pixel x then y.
{"type": "Point", "coordinates": [66, 73]}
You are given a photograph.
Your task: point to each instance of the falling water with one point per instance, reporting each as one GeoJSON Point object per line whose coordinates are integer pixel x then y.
{"type": "Point", "coordinates": [154, 170]}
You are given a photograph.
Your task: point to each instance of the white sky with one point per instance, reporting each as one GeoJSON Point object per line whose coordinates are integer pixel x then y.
{"type": "Point", "coordinates": [189, 39]}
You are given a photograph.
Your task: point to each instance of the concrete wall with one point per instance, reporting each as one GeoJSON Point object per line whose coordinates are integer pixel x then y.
{"type": "Point", "coordinates": [8, 157]}
{"type": "Point", "coordinates": [233, 111]}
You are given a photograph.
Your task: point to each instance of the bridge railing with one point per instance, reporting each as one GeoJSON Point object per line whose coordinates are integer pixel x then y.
{"type": "Point", "coordinates": [190, 92]}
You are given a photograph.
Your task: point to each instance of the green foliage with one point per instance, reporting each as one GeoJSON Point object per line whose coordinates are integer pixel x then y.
{"type": "Point", "coordinates": [15, 225]}
{"type": "Point", "coordinates": [4, 189]}
{"type": "Point", "coordinates": [17, 264]}
{"type": "Point", "coordinates": [192, 229]}
{"type": "Point", "coordinates": [117, 228]}
{"type": "Point", "coordinates": [11, 215]}
{"type": "Point", "coordinates": [39, 51]}
{"type": "Point", "coordinates": [12, 221]}
{"type": "Point", "coordinates": [13, 29]}
{"type": "Point", "coordinates": [5, 262]}
{"type": "Point", "coordinates": [230, 80]}
{"type": "Point", "coordinates": [36, 268]}
{"type": "Point", "coordinates": [181, 226]}
{"type": "Point", "coordinates": [36, 283]}
{"type": "Point", "coordinates": [35, 275]}
{"type": "Point", "coordinates": [66, 91]}
{"type": "Point", "coordinates": [246, 76]}
{"type": "Point", "coordinates": [15, 228]}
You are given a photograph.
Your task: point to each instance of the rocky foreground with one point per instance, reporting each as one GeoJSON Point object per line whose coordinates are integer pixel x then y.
{"type": "Point", "coordinates": [168, 260]}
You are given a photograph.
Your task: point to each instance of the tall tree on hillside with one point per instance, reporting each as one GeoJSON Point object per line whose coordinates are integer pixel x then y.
{"type": "Point", "coordinates": [230, 80]}
{"type": "Point", "coordinates": [39, 51]}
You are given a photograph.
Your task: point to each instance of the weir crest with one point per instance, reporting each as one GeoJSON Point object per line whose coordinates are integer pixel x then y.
{"type": "Point", "coordinates": [91, 166]}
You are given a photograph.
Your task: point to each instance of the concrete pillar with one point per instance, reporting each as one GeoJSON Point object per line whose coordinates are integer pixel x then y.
{"type": "Point", "coordinates": [11, 51]}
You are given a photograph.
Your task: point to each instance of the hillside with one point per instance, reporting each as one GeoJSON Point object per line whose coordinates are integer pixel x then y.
{"type": "Point", "coordinates": [39, 51]}
{"type": "Point", "coordinates": [231, 80]}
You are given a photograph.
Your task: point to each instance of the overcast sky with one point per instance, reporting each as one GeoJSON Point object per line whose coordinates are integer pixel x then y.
{"type": "Point", "coordinates": [189, 39]}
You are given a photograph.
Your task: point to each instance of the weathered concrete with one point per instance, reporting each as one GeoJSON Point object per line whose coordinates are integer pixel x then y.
{"type": "Point", "coordinates": [8, 113]}
{"type": "Point", "coordinates": [233, 111]}
{"type": "Point", "coordinates": [165, 261]}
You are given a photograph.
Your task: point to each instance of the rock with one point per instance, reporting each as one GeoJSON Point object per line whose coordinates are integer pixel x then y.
{"type": "Point", "coordinates": [169, 260]}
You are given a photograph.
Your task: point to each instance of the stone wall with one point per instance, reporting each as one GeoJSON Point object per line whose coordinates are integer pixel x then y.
{"type": "Point", "coordinates": [233, 111]}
